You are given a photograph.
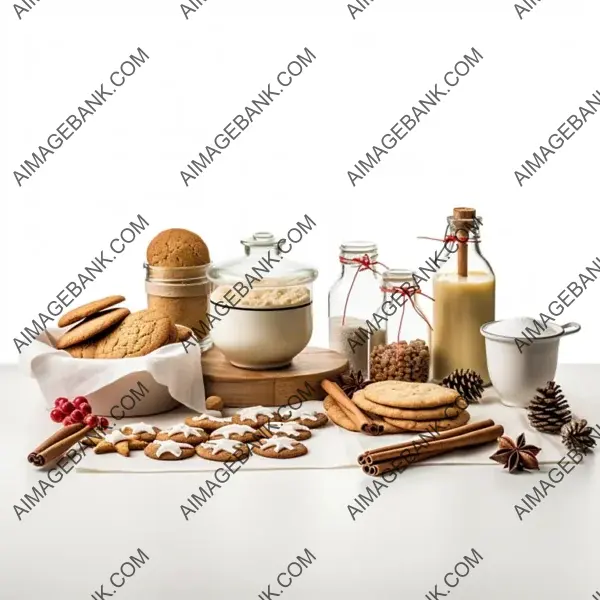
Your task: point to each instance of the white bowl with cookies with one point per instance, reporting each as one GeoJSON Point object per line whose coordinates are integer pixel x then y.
{"type": "Point", "coordinates": [127, 364]}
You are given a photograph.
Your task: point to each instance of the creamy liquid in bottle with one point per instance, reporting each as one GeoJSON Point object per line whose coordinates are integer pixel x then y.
{"type": "Point", "coordinates": [462, 305]}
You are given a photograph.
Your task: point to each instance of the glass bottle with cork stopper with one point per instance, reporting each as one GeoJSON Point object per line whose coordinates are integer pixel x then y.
{"type": "Point", "coordinates": [464, 291]}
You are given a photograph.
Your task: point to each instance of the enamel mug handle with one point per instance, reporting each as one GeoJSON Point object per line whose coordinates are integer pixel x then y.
{"type": "Point", "coordinates": [570, 328]}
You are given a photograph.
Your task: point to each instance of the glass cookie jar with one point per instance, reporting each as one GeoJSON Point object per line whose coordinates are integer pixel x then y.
{"type": "Point", "coordinates": [406, 355]}
{"type": "Point", "coordinates": [183, 294]}
{"type": "Point", "coordinates": [261, 305]}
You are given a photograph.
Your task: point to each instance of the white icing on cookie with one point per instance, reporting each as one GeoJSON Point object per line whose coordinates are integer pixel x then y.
{"type": "Point", "coordinates": [205, 417]}
{"type": "Point", "coordinates": [227, 445]}
{"type": "Point", "coordinates": [117, 436]}
{"type": "Point", "coordinates": [139, 428]}
{"type": "Point", "coordinates": [254, 411]}
{"type": "Point", "coordinates": [185, 429]}
{"type": "Point", "coordinates": [289, 427]}
{"type": "Point", "coordinates": [231, 429]}
{"type": "Point", "coordinates": [279, 443]}
{"type": "Point", "coordinates": [312, 415]}
{"type": "Point", "coordinates": [170, 446]}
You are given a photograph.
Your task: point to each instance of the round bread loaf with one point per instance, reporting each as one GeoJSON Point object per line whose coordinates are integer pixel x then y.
{"type": "Point", "coordinates": [177, 248]}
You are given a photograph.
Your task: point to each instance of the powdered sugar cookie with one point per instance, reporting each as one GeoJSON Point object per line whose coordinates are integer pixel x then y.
{"type": "Point", "coordinates": [119, 442]}
{"type": "Point", "coordinates": [279, 447]}
{"type": "Point", "coordinates": [256, 416]}
{"type": "Point", "coordinates": [239, 433]}
{"type": "Point", "coordinates": [309, 418]}
{"type": "Point", "coordinates": [169, 450]}
{"type": "Point", "coordinates": [207, 422]}
{"type": "Point", "coordinates": [183, 434]}
{"type": "Point", "coordinates": [290, 429]}
{"type": "Point", "coordinates": [223, 450]}
{"type": "Point", "coordinates": [141, 430]}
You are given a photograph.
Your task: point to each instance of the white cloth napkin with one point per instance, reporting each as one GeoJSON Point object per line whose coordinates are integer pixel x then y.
{"type": "Point", "coordinates": [168, 373]}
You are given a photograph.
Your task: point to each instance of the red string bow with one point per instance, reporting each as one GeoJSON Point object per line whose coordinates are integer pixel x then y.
{"type": "Point", "coordinates": [365, 264]}
{"type": "Point", "coordinates": [409, 291]}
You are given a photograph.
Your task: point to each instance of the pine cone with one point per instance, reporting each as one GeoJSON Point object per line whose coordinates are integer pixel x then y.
{"type": "Point", "coordinates": [576, 435]}
{"type": "Point", "coordinates": [467, 383]}
{"type": "Point", "coordinates": [549, 410]}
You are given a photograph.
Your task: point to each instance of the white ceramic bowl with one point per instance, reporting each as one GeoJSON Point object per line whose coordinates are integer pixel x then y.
{"type": "Point", "coordinates": [518, 369]}
{"type": "Point", "coordinates": [263, 338]}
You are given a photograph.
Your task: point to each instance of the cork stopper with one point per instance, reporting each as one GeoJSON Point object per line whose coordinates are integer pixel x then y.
{"type": "Point", "coordinates": [463, 221]}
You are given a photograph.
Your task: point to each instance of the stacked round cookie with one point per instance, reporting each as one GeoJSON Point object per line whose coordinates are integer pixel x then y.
{"type": "Point", "coordinates": [405, 406]}
{"type": "Point", "coordinates": [103, 331]}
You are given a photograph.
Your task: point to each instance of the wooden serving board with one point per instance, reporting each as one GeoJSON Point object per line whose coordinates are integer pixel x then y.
{"type": "Point", "coordinates": [273, 387]}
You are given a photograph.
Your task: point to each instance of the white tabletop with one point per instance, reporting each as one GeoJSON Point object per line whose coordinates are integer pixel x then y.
{"type": "Point", "coordinates": [257, 523]}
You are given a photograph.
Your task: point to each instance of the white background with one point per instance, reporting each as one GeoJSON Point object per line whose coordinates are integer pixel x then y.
{"type": "Point", "coordinates": [293, 159]}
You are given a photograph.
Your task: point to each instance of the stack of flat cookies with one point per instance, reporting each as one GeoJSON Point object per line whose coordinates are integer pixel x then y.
{"type": "Point", "coordinates": [103, 330]}
{"type": "Point", "coordinates": [400, 407]}
{"type": "Point", "coordinates": [413, 406]}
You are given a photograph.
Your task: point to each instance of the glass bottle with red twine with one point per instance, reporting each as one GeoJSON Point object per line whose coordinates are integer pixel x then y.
{"type": "Point", "coordinates": [354, 298]}
{"type": "Point", "coordinates": [406, 356]}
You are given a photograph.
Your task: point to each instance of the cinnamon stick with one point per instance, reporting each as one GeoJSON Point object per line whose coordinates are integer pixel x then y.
{"type": "Point", "coordinates": [401, 462]}
{"type": "Point", "coordinates": [474, 426]}
{"type": "Point", "coordinates": [57, 436]}
{"type": "Point", "coordinates": [57, 444]}
{"type": "Point", "coordinates": [474, 438]}
{"type": "Point", "coordinates": [359, 419]}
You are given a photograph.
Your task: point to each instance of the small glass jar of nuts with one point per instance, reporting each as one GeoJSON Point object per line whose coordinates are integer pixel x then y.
{"type": "Point", "coordinates": [406, 355]}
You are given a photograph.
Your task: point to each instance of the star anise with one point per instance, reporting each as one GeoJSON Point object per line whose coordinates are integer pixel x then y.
{"type": "Point", "coordinates": [518, 456]}
{"type": "Point", "coordinates": [352, 382]}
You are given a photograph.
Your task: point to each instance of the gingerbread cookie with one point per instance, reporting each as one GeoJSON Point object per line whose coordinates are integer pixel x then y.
{"type": "Point", "coordinates": [338, 415]}
{"type": "Point", "coordinates": [256, 416]}
{"type": "Point", "coordinates": [91, 327]}
{"type": "Point", "coordinates": [139, 334]}
{"type": "Point", "coordinates": [142, 431]}
{"type": "Point", "coordinates": [177, 248]}
{"type": "Point", "coordinates": [449, 411]}
{"type": "Point", "coordinates": [77, 314]}
{"type": "Point", "coordinates": [119, 442]}
{"type": "Point", "coordinates": [183, 333]}
{"type": "Point", "coordinates": [290, 429]}
{"type": "Point", "coordinates": [169, 450]}
{"type": "Point", "coordinates": [439, 425]}
{"type": "Point", "coordinates": [223, 450]}
{"type": "Point", "coordinates": [309, 418]}
{"type": "Point", "coordinates": [207, 422]}
{"type": "Point", "coordinates": [172, 334]}
{"type": "Point", "coordinates": [404, 394]}
{"type": "Point", "coordinates": [279, 447]}
{"type": "Point", "coordinates": [239, 433]}
{"type": "Point", "coordinates": [183, 434]}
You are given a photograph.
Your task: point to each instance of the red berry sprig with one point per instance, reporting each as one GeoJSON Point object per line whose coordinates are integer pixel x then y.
{"type": "Point", "coordinates": [78, 411]}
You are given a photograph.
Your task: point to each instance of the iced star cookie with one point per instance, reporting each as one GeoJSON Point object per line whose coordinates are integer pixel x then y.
{"type": "Point", "coordinates": [279, 447]}
{"type": "Point", "coordinates": [309, 418]}
{"type": "Point", "coordinates": [169, 450]}
{"type": "Point", "coordinates": [222, 450]}
{"type": "Point", "coordinates": [141, 430]}
{"type": "Point", "coordinates": [290, 429]}
{"type": "Point", "coordinates": [256, 416]}
{"type": "Point", "coordinates": [184, 434]}
{"type": "Point", "coordinates": [207, 422]}
{"type": "Point", "coordinates": [119, 442]}
{"type": "Point", "coordinates": [239, 433]}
